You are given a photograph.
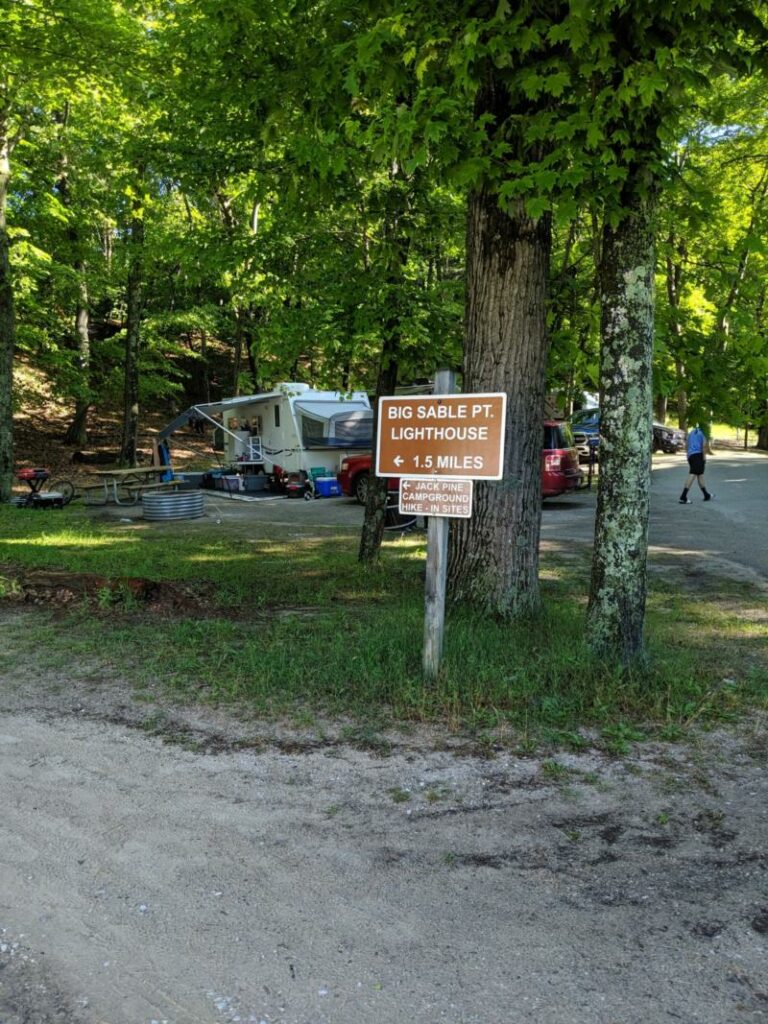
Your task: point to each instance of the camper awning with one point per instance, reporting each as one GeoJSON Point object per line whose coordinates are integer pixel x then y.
{"type": "Point", "coordinates": [210, 409]}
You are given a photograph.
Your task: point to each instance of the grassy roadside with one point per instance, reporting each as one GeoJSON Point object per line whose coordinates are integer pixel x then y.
{"type": "Point", "coordinates": [287, 626]}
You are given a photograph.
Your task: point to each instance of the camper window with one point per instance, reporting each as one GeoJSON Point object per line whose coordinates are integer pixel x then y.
{"type": "Point", "coordinates": [277, 415]}
{"type": "Point", "coordinates": [352, 428]}
{"type": "Point", "coordinates": [349, 428]}
{"type": "Point", "coordinates": [313, 431]}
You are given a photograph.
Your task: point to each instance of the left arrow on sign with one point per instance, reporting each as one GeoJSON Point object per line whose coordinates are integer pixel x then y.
{"type": "Point", "coordinates": [397, 461]}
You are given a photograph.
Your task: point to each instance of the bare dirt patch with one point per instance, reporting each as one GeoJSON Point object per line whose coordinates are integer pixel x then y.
{"type": "Point", "coordinates": [58, 588]}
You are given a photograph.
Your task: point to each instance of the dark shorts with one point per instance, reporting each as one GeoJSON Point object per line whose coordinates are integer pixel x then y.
{"type": "Point", "coordinates": [696, 463]}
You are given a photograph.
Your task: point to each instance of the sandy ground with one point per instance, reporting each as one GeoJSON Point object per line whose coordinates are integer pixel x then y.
{"type": "Point", "coordinates": [142, 882]}
{"type": "Point", "coordinates": [298, 881]}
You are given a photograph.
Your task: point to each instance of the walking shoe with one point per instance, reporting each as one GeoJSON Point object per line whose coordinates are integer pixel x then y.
{"type": "Point", "coordinates": [685, 501]}
{"type": "Point", "coordinates": [709, 497]}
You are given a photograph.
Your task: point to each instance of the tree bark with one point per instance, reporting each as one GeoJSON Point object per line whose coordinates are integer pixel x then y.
{"type": "Point", "coordinates": [251, 336]}
{"type": "Point", "coordinates": [238, 352]}
{"type": "Point", "coordinates": [372, 531]}
{"type": "Point", "coordinates": [134, 300]}
{"type": "Point", "coordinates": [682, 397]}
{"type": "Point", "coordinates": [7, 325]}
{"type": "Point", "coordinates": [494, 556]}
{"type": "Point", "coordinates": [77, 432]}
{"type": "Point", "coordinates": [616, 609]}
{"type": "Point", "coordinates": [206, 367]}
{"type": "Point", "coordinates": [397, 245]}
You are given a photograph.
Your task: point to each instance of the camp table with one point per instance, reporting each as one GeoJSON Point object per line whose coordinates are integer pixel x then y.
{"type": "Point", "coordinates": [132, 481]}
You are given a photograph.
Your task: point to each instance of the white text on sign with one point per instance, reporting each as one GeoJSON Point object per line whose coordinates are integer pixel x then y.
{"type": "Point", "coordinates": [436, 496]}
{"type": "Point", "coordinates": [447, 435]}
{"type": "Point", "coordinates": [441, 412]}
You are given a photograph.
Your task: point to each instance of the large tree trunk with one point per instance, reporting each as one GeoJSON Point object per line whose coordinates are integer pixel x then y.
{"type": "Point", "coordinates": [617, 598]}
{"type": "Point", "coordinates": [494, 556]}
{"type": "Point", "coordinates": [252, 347]}
{"type": "Point", "coordinates": [7, 327]}
{"type": "Point", "coordinates": [237, 361]}
{"type": "Point", "coordinates": [129, 441]}
{"type": "Point", "coordinates": [372, 532]}
{"type": "Point", "coordinates": [397, 243]}
{"type": "Point", "coordinates": [76, 432]}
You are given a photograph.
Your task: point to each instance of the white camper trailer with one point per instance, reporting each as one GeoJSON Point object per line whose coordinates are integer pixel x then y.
{"type": "Point", "coordinates": [291, 430]}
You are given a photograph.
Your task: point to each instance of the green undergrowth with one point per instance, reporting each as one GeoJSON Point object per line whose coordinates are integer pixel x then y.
{"type": "Point", "coordinates": [294, 624]}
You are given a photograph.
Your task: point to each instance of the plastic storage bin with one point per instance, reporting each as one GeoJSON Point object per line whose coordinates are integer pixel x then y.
{"type": "Point", "coordinates": [191, 479]}
{"type": "Point", "coordinates": [255, 482]}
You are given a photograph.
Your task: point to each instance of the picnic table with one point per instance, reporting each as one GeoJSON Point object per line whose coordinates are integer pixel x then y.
{"type": "Point", "coordinates": [124, 486]}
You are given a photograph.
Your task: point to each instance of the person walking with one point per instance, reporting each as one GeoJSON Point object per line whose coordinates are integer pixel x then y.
{"type": "Point", "coordinates": [698, 445]}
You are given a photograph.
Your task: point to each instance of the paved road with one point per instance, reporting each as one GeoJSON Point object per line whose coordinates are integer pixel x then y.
{"type": "Point", "coordinates": [731, 529]}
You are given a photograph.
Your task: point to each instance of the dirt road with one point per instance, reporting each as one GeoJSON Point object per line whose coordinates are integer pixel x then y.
{"type": "Point", "coordinates": [141, 882]}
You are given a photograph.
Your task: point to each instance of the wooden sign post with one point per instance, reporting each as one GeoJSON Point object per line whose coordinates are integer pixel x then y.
{"type": "Point", "coordinates": [437, 568]}
{"type": "Point", "coordinates": [438, 444]}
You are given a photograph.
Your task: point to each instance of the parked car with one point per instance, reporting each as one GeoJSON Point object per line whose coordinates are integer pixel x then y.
{"type": "Point", "coordinates": [353, 477]}
{"type": "Point", "coordinates": [668, 439]}
{"type": "Point", "coordinates": [585, 427]}
{"type": "Point", "coordinates": [560, 471]}
{"type": "Point", "coordinates": [586, 433]}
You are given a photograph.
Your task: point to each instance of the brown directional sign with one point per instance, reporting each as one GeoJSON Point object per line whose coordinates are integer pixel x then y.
{"type": "Point", "coordinates": [436, 496]}
{"type": "Point", "coordinates": [441, 435]}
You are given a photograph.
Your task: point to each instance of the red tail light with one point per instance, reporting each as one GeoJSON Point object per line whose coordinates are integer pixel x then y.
{"type": "Point", "coordinates": [553, 463]}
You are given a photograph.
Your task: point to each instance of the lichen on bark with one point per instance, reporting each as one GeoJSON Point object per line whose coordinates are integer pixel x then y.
{"type": "Point", "coordinates": [616, 610]}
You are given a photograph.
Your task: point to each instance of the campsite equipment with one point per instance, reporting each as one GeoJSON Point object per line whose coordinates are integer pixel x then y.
{"type": "Point", "coordinates": [254, 483]}
{"type": "Point", "coordinates": [43, 492]}
{"type": "Point", "coordinates": [297, 485]}
{"type": "Point", "coordinates": [327, 487]}
{"type": "Point", "coordinates": [160, 505]}
{"type": "Point", "coordinates": [291, 430]}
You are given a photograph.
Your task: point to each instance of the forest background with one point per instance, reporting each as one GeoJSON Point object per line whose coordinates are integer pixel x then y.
{"type": "Point", "coordinates": [199, 200]}
{"type": "Point", "coordinates": [264, 225]}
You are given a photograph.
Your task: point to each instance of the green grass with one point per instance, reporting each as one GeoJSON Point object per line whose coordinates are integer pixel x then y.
{"type": "Point", "coordinates": [298, 627]}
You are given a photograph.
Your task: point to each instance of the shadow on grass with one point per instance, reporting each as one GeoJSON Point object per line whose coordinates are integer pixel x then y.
{"type": "Point", "coordinates": [359, 653]}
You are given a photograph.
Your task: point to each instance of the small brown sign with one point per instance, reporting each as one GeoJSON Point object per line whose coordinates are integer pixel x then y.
{"type": "Point", "coordinates": [441, 435]}
{"type": "Point", "coordinates": [436, 496]}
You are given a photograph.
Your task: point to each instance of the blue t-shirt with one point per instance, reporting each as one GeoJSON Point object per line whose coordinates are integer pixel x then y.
{"type": "Point", "coordinates": [696, 442]}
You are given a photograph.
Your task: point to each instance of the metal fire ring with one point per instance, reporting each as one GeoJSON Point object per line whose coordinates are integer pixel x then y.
{"type": "Point", "coordinates": [183, 505]}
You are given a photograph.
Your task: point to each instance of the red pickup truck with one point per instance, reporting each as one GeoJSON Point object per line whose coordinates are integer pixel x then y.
{"type": "Point", "coordinates": [353, 477]}
{"type": "Point", "coordinates": [560, 471]}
